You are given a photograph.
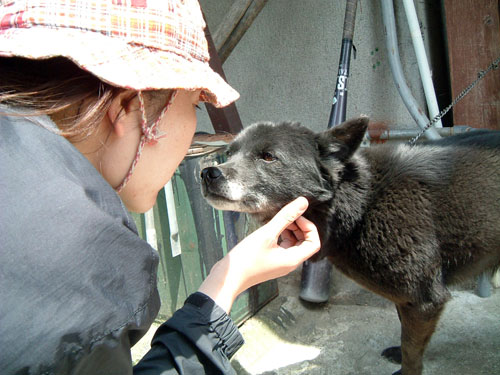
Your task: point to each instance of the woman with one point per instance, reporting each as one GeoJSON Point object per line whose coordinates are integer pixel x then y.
{"type": "Point", "coordinates": [97, 110]}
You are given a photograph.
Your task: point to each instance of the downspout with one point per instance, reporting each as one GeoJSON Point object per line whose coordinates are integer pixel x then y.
{"type": "Point", "coordinates": [397, 71]}
{"type": "Point", "coordinates": [423, 64]}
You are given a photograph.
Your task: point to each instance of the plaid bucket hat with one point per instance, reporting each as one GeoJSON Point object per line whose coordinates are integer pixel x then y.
{"type": "Point", "coordinates": [134, 44]}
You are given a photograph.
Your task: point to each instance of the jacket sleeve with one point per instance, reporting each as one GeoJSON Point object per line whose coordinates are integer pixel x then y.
{"type": "Point", "coordinates": [200, 338]}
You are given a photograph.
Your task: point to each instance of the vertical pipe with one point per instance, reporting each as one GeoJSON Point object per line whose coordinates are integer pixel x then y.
{"type": "Point", "coordinates": [397, 71]}
{"type": "Point", "coordinates": [339, 105]}
{"type": "Point", "coordinates": [315, 280]}
{"type": "Point", "coordinates": [423, 64]}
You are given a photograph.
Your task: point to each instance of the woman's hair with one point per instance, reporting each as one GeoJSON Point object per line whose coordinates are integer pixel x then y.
{"type": "Point", "coordinates": [52, 85]}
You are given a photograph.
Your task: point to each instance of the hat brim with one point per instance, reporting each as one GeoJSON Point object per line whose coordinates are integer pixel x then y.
{"type": "Point", "coordinates": [119, 63]}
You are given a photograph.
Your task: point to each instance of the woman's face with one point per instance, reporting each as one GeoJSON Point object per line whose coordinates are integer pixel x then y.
{"type": "Point", "coordinates": [158, 161]}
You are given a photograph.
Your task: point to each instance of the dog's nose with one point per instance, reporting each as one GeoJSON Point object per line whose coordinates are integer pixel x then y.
{"type": "Point", "coordinates": [210, 173]}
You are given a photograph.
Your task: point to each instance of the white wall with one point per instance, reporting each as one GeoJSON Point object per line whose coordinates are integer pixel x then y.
{"type": "Point", "coordinates": [285, 66]}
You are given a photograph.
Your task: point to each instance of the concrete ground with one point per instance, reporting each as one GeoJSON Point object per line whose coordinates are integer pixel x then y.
{"type": "Point", "coordinates": [346, 334]}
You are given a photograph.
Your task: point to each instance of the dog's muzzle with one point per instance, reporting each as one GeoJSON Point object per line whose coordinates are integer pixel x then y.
{"type": "Point", "coordinates": [211, 181]}
{"type": "Point", "coordinates": [210, 174]}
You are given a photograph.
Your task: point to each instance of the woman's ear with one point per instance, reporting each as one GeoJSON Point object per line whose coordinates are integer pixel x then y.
{"type": "Point", "coordinates": [124, 108]}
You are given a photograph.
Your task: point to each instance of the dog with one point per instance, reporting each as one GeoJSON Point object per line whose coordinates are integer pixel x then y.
{"type": "Point", "coordinates": [404, 222]}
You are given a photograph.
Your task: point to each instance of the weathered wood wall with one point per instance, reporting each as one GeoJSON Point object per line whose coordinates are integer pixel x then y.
{"type": "Point", "coordinates": [473, 32]}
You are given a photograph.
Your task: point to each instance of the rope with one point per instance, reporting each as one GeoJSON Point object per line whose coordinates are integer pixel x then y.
{"type": "Point", "coordinates": [150, 134]}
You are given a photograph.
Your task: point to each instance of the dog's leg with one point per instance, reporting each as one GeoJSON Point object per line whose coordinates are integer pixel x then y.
{"type": "Point", "coordinates": [393, 353]}
{"type": "Point", "coordinates": [417, 327]}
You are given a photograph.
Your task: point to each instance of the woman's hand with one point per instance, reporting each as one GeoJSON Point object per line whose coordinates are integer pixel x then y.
{"type": "Point", "coordinates": [262, 256]}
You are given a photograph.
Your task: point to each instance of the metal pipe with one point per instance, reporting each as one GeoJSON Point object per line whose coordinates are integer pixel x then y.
{"type": "Point", "coordinates": [315, 279]}
{"type": "Point", "coordinates": [423, 64]}
{"type": "Point", "coordinates": [397, 71]}
{"type": "Point", "coordinates": [339, 104]}
{"type": "Point", "coordinates": [398, 134]}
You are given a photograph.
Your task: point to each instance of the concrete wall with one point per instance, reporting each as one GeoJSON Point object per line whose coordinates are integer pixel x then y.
{"type": "Point", "coordinates": [285, 66]}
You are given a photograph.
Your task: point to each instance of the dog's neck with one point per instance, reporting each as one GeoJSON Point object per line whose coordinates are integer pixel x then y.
{"type": "Point", "coordinates": [338, 217]}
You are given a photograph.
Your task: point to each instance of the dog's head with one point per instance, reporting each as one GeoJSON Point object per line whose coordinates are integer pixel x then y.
{"type": "Point", "coordinates": [269, 165]}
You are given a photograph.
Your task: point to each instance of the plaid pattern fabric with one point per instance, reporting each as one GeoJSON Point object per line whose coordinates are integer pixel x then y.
{"type": "Point", "coordinates": [137, 44]}
{"type": "Point", "coordinates": [168, 28]}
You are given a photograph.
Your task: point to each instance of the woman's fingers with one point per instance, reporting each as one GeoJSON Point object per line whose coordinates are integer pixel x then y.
{"type": "Point", "coordinates": [306, 230]}
{"type": "Point", "coordinates": [309, 242]}
{"type": "Point", "coordinates": [287, 216]}
{"type": "Point", "coordinates": [288, 239]}
{"type": "Point", "coordinates": [261, 257]}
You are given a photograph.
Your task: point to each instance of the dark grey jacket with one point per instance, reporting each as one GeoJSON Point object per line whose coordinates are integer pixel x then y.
{"type": "Point", "coordinates": [77, 284]}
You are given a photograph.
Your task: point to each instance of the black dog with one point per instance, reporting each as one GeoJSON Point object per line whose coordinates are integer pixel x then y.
{"type": "Point", "coordinates": [404, 222]}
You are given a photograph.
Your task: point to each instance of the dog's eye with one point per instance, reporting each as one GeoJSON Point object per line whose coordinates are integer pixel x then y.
{"type": "Point", "coordinates": [267, 156]}
{"type": "Point", "coordinates": [228, 153]}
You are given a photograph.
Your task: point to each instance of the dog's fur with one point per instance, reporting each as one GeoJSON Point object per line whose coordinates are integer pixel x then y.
{"type": "Point", "coordinates": [402, 221]}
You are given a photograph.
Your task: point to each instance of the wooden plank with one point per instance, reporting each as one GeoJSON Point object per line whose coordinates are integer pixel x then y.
{"type": "Point", "coordinates": [225, 47]}
{"type": "Point", "coordinates": [170, 283]}
{"type": "Point", "coordinates": [227, 119]}
{"type": "Point", "coordinates": [231, 19]}
{"type": "Point", "coordinates": [473, 33]}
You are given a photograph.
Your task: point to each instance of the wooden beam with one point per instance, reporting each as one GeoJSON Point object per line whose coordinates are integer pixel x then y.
{"type": "Point", "coordinates": [473, 32]}
{"type": "Point", "coordinates": [227, 119]}
{"type": "Point", "coordinates": [232, 28]}
{"type": "Point", "coordinates": [231, 19]}
{"type": "Point", "coordinates": [238, 22]}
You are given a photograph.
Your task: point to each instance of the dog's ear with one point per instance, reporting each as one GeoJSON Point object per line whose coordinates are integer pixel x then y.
{"type": "Point", "coordinates": [343, 140]}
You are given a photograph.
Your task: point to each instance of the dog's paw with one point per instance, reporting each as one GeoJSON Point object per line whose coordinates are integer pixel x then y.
{"type": "Point", "coordinates": [393, 354]}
